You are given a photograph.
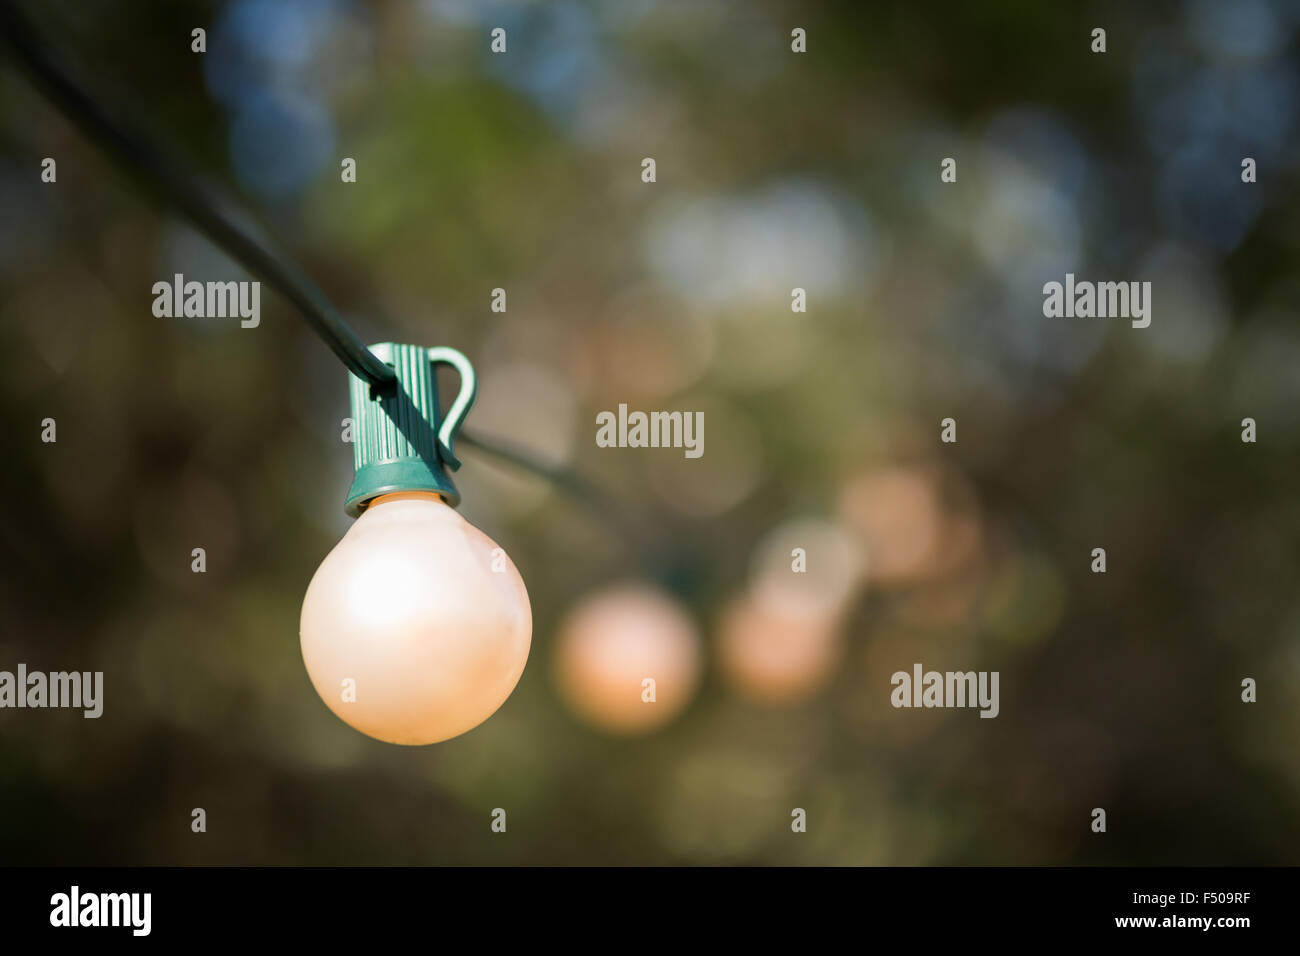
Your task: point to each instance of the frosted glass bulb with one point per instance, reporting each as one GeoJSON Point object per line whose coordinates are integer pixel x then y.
{"type": "Point", "coordinates": [416, 627]}
{"type": "Point", "coordinates": [612, 644]}
{"type": "Point", "coordinates": [777, 651]}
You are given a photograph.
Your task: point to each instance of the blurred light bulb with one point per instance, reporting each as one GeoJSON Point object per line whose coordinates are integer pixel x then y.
{"type": "Point", "coordinates": [897, 511]}
{"type": "Point", "coordinates": [416, 627]}
{"type": "Point", "coordinates": [777, 652]}
{"type": "Point", "coordinates": [811, 565]}
{"type": "Point", "coordinates": [616, 641]}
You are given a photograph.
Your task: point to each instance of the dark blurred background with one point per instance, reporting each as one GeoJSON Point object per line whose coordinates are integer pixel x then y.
{"type": "Point", "coordinates": [775, 170]}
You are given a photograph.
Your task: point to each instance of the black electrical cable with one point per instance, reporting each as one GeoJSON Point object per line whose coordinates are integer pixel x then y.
{"type": "Point", "coordinates": [223, 222]}
{"type": "Point", "coordinates": [199, 201]}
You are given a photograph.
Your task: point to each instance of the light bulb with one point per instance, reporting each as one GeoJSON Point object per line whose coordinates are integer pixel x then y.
{"type": "Point", "coordinates": [628, 659]}
{"type": "Point", "coordinates": [416, 627]}
{"type": "Point", "coordinates": [897, 512]}
{"type": "Point", "coordinates": [777, 651]}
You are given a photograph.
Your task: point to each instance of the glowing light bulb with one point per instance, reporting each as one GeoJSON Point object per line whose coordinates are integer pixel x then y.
{"type": "Point", "coordinates": [417, 626]}
{"type": "Point", "coordinates": [777, 652]}
{"type": "Point", "coordinates": [628, 659]}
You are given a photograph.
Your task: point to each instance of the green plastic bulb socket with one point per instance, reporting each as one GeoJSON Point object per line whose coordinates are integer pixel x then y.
{"type": "Point", "coordinates": [401, 441]}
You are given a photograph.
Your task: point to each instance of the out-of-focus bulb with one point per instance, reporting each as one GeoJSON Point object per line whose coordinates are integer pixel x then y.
{"type": "Point", "coordinates": [417, 626]}
{"type": "Point", "coordinates": [777, 652]}
{"type": "Point", "coordinates": [628, 659]}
